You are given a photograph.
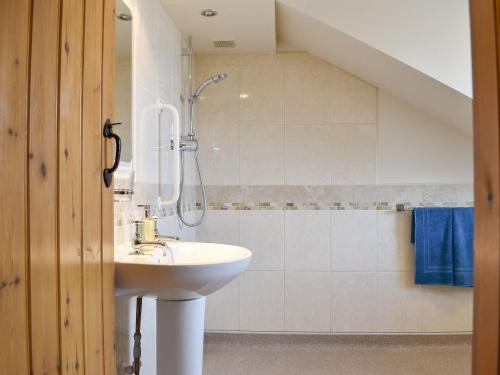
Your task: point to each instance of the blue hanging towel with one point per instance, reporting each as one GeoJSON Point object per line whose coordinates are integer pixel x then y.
{"type": "Point", "coordinates": [443, 238]}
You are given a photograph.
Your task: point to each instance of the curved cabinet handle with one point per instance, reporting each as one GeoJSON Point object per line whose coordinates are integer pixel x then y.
{"type": "Point", "coordinates": [108, 133]}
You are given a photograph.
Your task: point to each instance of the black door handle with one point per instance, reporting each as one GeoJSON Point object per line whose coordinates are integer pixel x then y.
{"type": "Point", "coordinates": [108, 133]}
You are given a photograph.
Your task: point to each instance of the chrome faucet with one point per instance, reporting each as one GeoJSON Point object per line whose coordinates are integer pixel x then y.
{"type": "Point", "coordinates": [138, 239]}
{"type": "Point", "coordinates": [142, 237]}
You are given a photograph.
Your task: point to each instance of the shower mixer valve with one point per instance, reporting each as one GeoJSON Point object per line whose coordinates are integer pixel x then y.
{"type": "Point", "coordinates": [188, 143]}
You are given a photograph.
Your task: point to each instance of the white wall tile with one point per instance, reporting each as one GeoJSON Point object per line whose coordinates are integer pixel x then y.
{"type": "Point", "coordinates": [217, 60]}
{"type": "Point", "coordinates": [219, 103]}
{"type": "Point", "coordinates": [261, 94]}
{"type": "Point", "coordinates": [262, 75]}
{"type": "Point", "coordinates": [307, 240]}
{"type": "Point", "coordinates": [166, 57]}
{"type": "Point", "coordinates": [262, 232]}
{"type": "Point", "coordinates": [169, 226]}
{"type": "Point", "coordinates": [186, 233]}
{"type": "Point", "coordinates": [354, 240]}
{"type": "Point", "coordinates": [395, 251]}
{"type": "Point", "coordinates": [262, 155]}
{"type": "Point", "coordinates": [307, 105]}
{"type": "Point", "coordinates": [219, 154]}
{"type": "Point", "coordinates": [452, 194]}
{"type": "Point", "coordinates": [354, 154]}
{"type": "Point", "coordinates": [307, 94]}
{"type": "Point", "coordinates": [354, 302]}
{"type": "Point", "coordinates": [307, 155]}
{"type": "Point", "coordinates": [447, 309]}
{"type": "Point", "coordinates": [297, 58]}
{"type": "Point", "coordinates": [399, 303]}
{"type": "Point", "coordinates": [311, 75]}
{"type": "Point", "coordinates": [220, 227]}
{"type": "Point", "coordinates": [353, 101]}
{"type": "Point", "coordinates": [223, 308]}
{"type": "Point", "coordinates": [307, 301]}
{"type": "Point", "coordinates": [258, 59]}
{"type": "Point", "coordinates": [262, 301]}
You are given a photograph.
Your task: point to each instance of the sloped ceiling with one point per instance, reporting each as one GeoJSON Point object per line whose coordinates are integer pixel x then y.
{"type": "Point", "coordinates": [428, 35]}
{"type": "Point", "coordinates": [301, 31]}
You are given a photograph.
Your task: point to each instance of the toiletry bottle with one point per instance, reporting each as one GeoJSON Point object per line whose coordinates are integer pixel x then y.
{"type": "Point", "coordinates": [148, 224]}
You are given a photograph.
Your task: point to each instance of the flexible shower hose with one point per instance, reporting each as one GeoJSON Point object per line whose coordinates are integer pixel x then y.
{"type": "Point", "coordinates": [202, 187]}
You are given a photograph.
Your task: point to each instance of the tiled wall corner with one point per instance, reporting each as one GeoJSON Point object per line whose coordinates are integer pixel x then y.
{"type": "Point", "coordinates": [288, 146]}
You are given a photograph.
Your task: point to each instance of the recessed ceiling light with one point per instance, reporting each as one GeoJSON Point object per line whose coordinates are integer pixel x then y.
{"type": "Point", "coordinates": [208, 13]}
{"type": "Point", "coordinates": [124, 17]}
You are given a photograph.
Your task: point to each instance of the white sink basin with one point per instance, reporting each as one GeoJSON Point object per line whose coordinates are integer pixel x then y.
{"type": "Point", "coordinates": [180, 280]}
{"type": "Point", "coordinates": [191, 270]}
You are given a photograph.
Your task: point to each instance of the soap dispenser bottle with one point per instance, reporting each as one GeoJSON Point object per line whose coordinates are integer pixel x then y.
{"type": "Point", "coordinates": [148, 224]}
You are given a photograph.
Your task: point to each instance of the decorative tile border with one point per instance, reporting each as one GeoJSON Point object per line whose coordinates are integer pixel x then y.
{"type": "Point", "coordinates": [329, 197]}
{"type": "Point", "coordinates": [366, 197]}
{"type": "Point", "coordinates": [381, 206]}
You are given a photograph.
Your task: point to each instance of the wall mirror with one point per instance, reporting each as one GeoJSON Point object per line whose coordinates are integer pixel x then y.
{"type": "Point", "coordinates": [123, 97]}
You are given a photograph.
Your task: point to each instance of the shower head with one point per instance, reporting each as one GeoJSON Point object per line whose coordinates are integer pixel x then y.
{"type": "Point", "coordinates": [204, 84]}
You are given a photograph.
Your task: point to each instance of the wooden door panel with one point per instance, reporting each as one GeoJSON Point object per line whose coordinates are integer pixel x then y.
{"type": "Point", "coordinates": [91, 187]}
{"type": "Point", "coordinates": [43, 175]}
{"type": "Point", "coordinates": [108, 87]}
{"type": "Point", "coordinates": [56, 283]}
{"type": "Point", "coordinates": [70, 188]}
{"type": "Point", "coordinates": [14, 282]}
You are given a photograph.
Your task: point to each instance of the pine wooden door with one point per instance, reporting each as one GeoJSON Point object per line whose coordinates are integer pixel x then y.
{"type": "Point", "coordinates": [485, 26]}
{"type": "Point", "coordinates": [56, 215]}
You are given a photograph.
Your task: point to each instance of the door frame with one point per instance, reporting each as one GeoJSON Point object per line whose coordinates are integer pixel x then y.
{"type": "Point", "coordinates": [485, 24]}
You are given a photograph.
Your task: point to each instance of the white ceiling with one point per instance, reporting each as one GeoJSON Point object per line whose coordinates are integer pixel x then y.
{"type": "Point", "coordinates": [250, 23]}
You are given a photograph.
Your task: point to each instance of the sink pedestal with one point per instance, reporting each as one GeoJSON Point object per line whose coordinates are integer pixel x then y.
{"type": "Point", "coordinates": [180, 329]}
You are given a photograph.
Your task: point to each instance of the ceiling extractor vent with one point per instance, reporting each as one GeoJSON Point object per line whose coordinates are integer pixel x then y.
{"type": "Point", "coordinates": [224, 43]}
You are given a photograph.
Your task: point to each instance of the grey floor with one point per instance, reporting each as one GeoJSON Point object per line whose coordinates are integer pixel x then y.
{"type": "Point", "coordinates": [239, 354]}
